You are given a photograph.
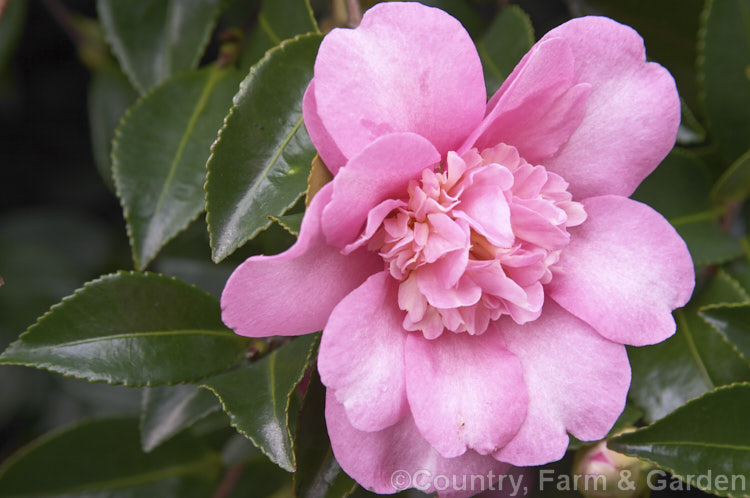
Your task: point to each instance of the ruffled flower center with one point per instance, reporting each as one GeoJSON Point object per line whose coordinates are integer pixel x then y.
{"type": "Point", "coordinates": [475, 241]}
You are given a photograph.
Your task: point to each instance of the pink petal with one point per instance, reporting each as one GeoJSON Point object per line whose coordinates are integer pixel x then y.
{"type": "Point", "coordinates": [372, 458]}
{"type": "Point", "coordinates": [577, 382]}
{"type": "Point", "coordinates": [624, 272]}
{"type": "Point", "coordinates": [361, 357]}
{"type": "Point", "coordinates": [540, 105]}
{"type": "Point", "coordinates": [465, 392]}
{"type": "Point", "coordinates": [294, 292]}
{"type": "Point", "coordinates": [406, 67]}
{"type": "Point", "coordinates": [632, 113]}
{"type": "Point", "coordinates": [381, 171]}
{"type": "Point", "coordinates": [327, 149]}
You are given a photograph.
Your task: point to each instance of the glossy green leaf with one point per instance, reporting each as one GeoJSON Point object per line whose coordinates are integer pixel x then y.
{"type": "Point", "coordinates": [257, 395]}
{"type": "Point", "coordinates": [695, 360]}
{"type": "Point", "coordinates": [679, 189]}
{"type": "Point", "coordinates": [277, 20]}
{"type": "Point", "coordinates": [131, 328]}
{"type": "Point", "coordinates": [155, 39]}
{"type": "Point", "coordinates": [11, 26]}
{"type": "Point", "coordinates": [734, 184]}
{"type": "Point", "coordinates": [110, 95]}
{"type": "Point", "coordinates": [102, 458]}
{"type": "Point", "coordinates": [160, 154]}
{"type": "Point", "coordinates": [169, 410]}
{"type": "Point", "coordinates": [318, 473]}
{"type": "Point", "coordinates": [707, 436]}
{"type": "Point", "coordinates": [669, 29]}
{"type": "Point", "coordinates": [290, 222]}
{"type": "Point", "coordinates": [733, 322]}
{"type": "Point", "coordinates": [259, 165]}
{"type": "Point", "coordinates": [506, 41]}
{"type": "Point", "coordinates": [723, 62]}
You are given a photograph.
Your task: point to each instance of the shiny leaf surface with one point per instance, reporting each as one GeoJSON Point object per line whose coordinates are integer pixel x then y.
{"type": "Point", "coordinates": [707, 436]}
{"type": "Point", "coordinates": [160, 154]}
{"type": "Point", "coordinates": [733, 322]}
{"type": "Point", "coordinates": [257, 398]}
{"type": "Point", "coordinates": [259, 164]}
{"type": "Point", "coordinates": [131, 328]}
{"type": "Point", "coordinates": [169, 410]}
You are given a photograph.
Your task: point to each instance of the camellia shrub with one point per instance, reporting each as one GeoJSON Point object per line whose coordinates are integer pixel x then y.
{"type": "Point", "coordinates": [441, 254]}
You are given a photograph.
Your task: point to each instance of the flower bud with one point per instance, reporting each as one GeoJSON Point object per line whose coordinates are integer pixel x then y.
{"type": "Point", "coordinates": [603, 473]}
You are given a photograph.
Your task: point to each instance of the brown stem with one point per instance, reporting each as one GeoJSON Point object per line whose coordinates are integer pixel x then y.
{"type": "Point", "coordinates": [355, 12]}
{"type": "Point", "coordinates": [3, 5]}
{"type": "Point", "coordinates": [229, 481]}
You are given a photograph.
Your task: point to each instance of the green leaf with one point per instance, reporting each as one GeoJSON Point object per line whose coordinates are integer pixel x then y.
{"type": "Point", "coordinates": [318, 473]}
{"type": "Point", "coordinates": [679, 190]}
{"type": "Point", "coordinates": [102, 458]}
{"type": "Point", "coordinates": [134, 329]}
{"type": "Point", "coordinates": [160, 154]}
{"type": "Point", "coordinates": [277, 20]}
{"type": "Point", "coordinates": [723, 61]}
{"type": "Point", "coordinates": [691, 131]}
{"type": "Point", "coordinates": [734, 184]}
{"type": "Point", "coordinates": [695, 360]}
{"type": "Point", "coordinates": [259, 164]}
{"type": "Point", "coordinates": [110, 95]}
{"type": "Point", "coordinates": [257, 397]}
{"type": "Point", "coordinates": [169, 410]}
{"type": "Point", "coordinates": [706, 436]}
{"type": "Point", "coordinates": [733, 322]}
{"type": "Point", "coordinates": [11, 26]}
{"type": "Point", "coordinates": [506, 41]}
{"type": "Point", "coordinates": [290, 222]}
{"type": "Point", "coordinates": [155, 39]}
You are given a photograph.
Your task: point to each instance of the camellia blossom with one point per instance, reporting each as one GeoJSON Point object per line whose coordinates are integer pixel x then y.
{"type": "Point", "coordinates": [476, 267]}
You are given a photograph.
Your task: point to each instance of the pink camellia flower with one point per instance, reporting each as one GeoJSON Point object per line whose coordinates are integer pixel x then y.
{"type": "Point", "coordinates": [476, 267]}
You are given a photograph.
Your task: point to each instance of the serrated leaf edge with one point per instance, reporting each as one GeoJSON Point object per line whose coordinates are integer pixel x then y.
{"type": "Point", "coordinates": [261, 447]}
{"type": "Point", "coordinates": [109, 380]}
{"type": "Point", "coordinates": [683, 407]}
{"type": "Point", "coordinates": [235, 102]}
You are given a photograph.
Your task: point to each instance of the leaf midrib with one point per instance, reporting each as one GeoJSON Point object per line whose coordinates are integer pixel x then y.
{"type": "Point", "coordinates": [133, 335]}
{"type": "Point", "coordinates": [694, 350]}
{"type": "Point", "coordinates": [189, 129]}
{"type": "Point", "coordinates": [691, 443]}
{"type": "Point", "coordinates": [247, 198]}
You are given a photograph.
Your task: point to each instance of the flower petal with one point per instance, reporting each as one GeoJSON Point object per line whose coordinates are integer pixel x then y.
{"type": "Point", "coordinates": [381, 171]}
{"type": "Point", "coordinates": [465, 392]}
{"type": "Point", "coordinates": [632, 113]}
{"type": "Point", "coordinates": [577, 382]}
{"type": "Point", "coordinates": [372, 458]}
{"type": "Point", "coordinates": [624, 272]}
{"type": "Point", "coordinates": [327, 149]}
{"type": "Point", "coordinates": [540, 105]}
{"type": "Point", "coordinates": [361, 357]}
{"type": "Point", "coordinates": [407, 67]}
{"type": "Point", "coordinates": [294, 292]}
